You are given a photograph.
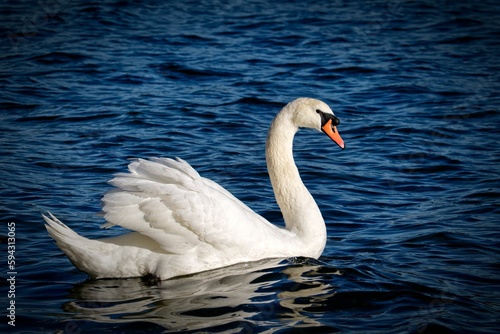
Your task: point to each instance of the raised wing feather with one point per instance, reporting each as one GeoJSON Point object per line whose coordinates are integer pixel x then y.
{"type": "Point", "coordinates": [168, 201]}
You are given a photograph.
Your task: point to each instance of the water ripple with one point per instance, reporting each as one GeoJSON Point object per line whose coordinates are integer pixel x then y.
{"type": "Point", "coordinates": [411, 205]}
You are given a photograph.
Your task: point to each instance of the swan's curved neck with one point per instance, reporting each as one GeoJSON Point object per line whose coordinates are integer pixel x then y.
{"type": "Point", "coordinates": [300, 212]}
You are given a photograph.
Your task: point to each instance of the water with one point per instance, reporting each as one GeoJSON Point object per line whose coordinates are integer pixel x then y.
{"type": "Point", "coordinates": [412, 204]}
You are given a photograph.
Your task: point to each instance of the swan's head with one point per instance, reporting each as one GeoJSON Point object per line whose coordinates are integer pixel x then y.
{"type": "Point", "coordinates": [316, 114]}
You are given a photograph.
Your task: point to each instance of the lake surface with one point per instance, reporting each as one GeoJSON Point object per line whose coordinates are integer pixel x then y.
{"type": "Point", "coordinates": [411, 206]}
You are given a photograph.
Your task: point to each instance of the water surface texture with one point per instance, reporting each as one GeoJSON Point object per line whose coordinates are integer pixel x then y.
{"type": "Point", "coordinates": [411, 206]}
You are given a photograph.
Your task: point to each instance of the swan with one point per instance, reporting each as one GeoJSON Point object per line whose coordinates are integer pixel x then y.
{"type": "Point", "coordinates": [182, 223]}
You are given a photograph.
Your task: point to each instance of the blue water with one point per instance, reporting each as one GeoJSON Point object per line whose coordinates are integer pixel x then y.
{"type": "Point", "coordinates": [412, 205]}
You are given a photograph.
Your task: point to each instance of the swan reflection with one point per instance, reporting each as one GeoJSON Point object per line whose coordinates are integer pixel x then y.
{"type": "Point", "coordinates": [271, 293]}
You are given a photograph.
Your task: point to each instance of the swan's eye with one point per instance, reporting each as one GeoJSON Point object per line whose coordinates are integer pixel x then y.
{"type": "Point", "coordinates": [328, 117]}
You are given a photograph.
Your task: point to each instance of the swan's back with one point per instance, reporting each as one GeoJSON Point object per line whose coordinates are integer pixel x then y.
{"type": "Point", "coordinates": [168, 201]}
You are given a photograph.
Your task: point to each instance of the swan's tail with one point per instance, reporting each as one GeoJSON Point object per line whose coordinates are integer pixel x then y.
{"type": "Point", "coordinates": [61, 233]}
{"type": "Point", "coordinates": [78, 249]}
{"type": "Point", "coordinates": [97, 258]}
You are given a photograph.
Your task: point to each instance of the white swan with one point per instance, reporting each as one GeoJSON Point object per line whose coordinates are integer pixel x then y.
{"type": "Point", "coordinates": [184, 223]}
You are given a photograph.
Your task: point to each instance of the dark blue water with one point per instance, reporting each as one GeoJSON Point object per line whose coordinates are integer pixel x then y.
{"type": "Point", "coordinates": [412, 205]}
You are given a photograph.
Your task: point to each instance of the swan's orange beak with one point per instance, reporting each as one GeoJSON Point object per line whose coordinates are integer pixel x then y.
{"type": "Point", "coordinates": [331, 131]}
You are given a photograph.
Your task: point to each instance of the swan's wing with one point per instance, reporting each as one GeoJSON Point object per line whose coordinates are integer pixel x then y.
{"type": "Point", "coordinates": [168, 201]}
